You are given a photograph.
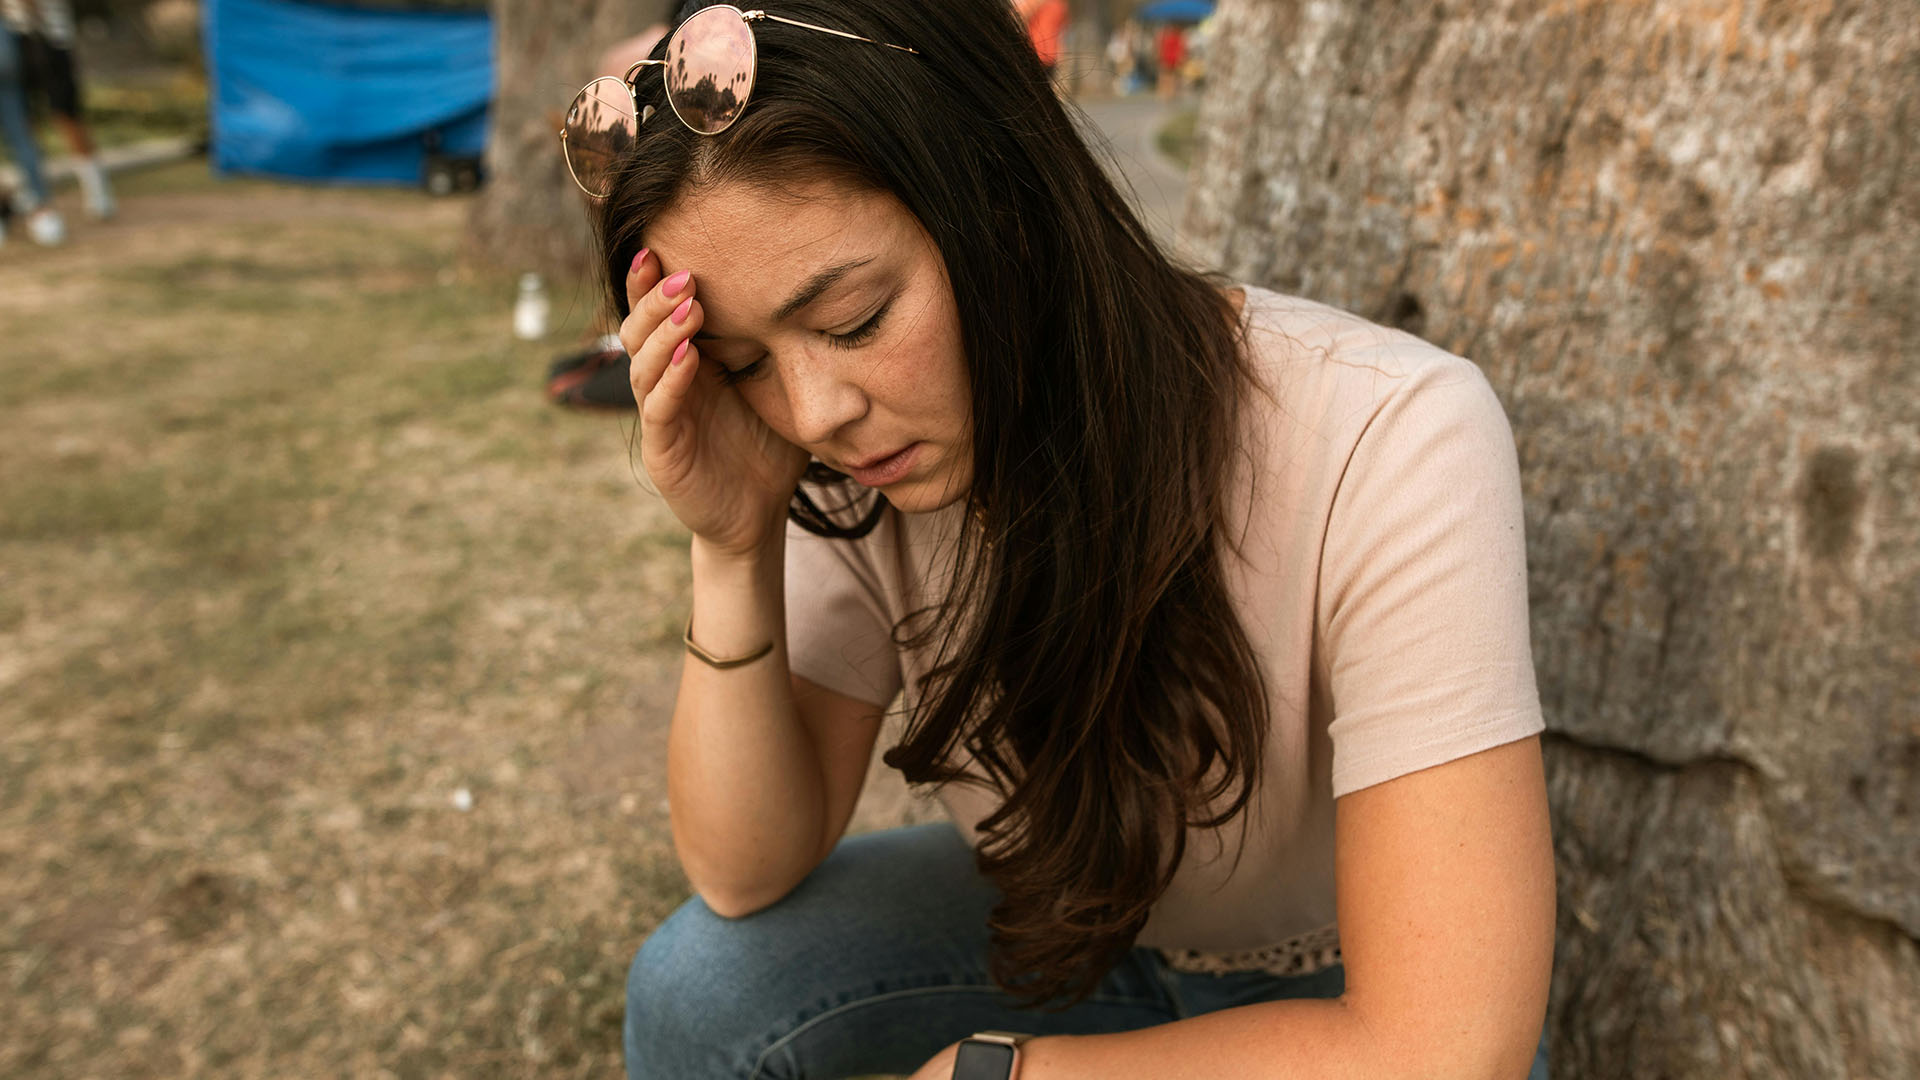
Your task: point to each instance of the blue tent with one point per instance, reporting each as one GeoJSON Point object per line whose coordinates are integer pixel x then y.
{"type": "Point", "coordinates": [1175, 11]}
{"type": "Point", "coordinates": [327, 92]}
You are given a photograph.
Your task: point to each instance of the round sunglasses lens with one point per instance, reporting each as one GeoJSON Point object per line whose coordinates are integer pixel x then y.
{"type": "Point", "coordinates": [600, 130]}
{"type": "Point", "coordinates": [710, 69]}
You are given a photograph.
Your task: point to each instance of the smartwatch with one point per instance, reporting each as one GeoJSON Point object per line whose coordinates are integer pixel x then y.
{"type": "Point", "coordinates": [989, 1055]}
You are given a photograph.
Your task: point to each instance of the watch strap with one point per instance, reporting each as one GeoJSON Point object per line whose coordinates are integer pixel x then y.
{"type": "Point", "coordinates": [1009, 1038]}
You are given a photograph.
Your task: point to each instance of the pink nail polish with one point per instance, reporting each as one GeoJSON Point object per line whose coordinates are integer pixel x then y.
{"type": "Point", "coordinates": [637, 260]}
{"type": "Point", "coordinates": [680, 352]}
{"type": "Point", "coordinates": [680, 313]}
{"type": "Point", "coordinates": [672, 286]}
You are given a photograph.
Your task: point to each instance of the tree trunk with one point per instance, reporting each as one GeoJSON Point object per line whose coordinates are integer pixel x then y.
{"type": "Point", "coordinates": [1682, 238]}
{"type": "Point", "coordinates": [530, 216]}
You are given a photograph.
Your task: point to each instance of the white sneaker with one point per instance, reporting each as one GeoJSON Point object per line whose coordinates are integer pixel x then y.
{"type": "Point", "coordinates": [47, 227]}
{"type": "Point", "coordinates": [94, 188]}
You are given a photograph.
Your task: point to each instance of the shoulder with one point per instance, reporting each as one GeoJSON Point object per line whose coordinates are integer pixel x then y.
{"type": "Point", "coordinates": [1328, 377]}
{"type": "Point", "coordinates": [1294, 341]}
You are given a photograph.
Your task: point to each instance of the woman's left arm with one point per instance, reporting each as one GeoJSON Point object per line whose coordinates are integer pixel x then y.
{"type": "Point", "coordinates": [1445, 899]}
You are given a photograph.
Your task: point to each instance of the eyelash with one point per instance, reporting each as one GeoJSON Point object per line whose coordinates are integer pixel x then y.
{"type": "Point", "coordinates": [852, 339]}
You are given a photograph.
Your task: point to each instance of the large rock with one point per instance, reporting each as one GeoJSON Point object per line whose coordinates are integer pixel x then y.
{"type": "Point", "coordinates": [1683, 241]}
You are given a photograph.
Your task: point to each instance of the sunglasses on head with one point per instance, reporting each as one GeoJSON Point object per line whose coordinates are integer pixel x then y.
{"type": "Point", "coordinates": [708, 72]}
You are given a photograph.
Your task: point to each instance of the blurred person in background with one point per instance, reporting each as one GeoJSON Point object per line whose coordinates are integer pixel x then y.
{"type": "Point", "coordinates": [44, 33]}
{"type": "Point", "coordinates": [43, 222]}
{"type": "Point", "coordinates": [1120, 53]}
{"type": "Point", "coordinates": [1046, 22]}
{"type": "Point", "coordinates": [1146, 71]}
{"type": "Point", "coordinates": [1155, 569]}
{"type": "Point", "coordinates": [1171, 43]}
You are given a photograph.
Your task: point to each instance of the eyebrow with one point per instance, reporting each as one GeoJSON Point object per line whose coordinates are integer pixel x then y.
{"type": "Point", "coordinates": [815, 285]}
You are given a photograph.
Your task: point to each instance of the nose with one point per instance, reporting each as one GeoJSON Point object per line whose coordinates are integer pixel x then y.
{"type": "Point", "coordinates": [823, 396]}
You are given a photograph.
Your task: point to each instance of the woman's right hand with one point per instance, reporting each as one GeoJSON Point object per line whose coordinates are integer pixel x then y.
{"type": "Point", "coordinates": [722, 470]}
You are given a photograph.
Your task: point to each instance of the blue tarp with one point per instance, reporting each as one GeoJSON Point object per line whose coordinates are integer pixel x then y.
{"type": "Point", "coordinates": [327, 92]}
{"type": "Point", "coordinates": [1175, 11]}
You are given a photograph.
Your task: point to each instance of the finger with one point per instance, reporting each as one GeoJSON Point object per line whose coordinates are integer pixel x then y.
{"type": "Point", "coordinates": [642, 275]}
{"type": "Point", "coordinates": [670, 391]}
{"type": "Point", "coordinates": [655, 354]}
{"type": "Point", "coordinates": [653, 307]}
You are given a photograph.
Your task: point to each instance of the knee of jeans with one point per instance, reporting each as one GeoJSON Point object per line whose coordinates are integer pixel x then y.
{"type": "Point", "coordinates": [674, 969]}
{"type": "Point", "coordinates": [691, 1002]}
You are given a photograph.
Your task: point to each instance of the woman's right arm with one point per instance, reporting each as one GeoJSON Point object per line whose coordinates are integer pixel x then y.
{"type": "Point", "coordinates": [762, 769]}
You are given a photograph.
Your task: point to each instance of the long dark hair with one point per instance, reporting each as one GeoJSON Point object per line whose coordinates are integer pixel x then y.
{"type": "Point", "coordinates": [1099, 675]}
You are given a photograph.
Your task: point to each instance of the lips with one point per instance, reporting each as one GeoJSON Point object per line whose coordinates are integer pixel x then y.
{"type": "Point", "coordinates": [886, 469]}
{"type": "Point", "coordinates": [868, 463]}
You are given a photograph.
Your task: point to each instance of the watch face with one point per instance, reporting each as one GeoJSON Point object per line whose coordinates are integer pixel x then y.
{"type": "Point", "coordinates": [983, 1061]}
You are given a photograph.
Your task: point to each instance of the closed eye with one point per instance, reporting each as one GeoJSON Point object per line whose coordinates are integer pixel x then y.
{"type": "Point", "coordinates": [858, 335]}
{"type": "Point", "coordinates": [852, 339]}
{"type": "Point", "coordinates": [730, 376]}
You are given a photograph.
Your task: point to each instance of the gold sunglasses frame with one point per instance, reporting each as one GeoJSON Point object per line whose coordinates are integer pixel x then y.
{"type": "Point", "coordinates": [641, 116]}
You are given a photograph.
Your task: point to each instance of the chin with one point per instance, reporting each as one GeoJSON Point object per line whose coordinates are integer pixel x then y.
{"type": "Point", "coordinates": [925, 496]}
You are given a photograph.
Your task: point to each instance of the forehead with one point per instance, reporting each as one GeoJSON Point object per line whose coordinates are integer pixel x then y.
{"type": "Point", "coordinates": [750, 247]}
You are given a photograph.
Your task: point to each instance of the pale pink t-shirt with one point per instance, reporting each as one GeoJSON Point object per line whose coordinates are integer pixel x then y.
{"type": "Point", "coordinates": [1382, 582]}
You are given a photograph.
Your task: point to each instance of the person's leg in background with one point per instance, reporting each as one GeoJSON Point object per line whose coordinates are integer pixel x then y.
{"type": "Point", "coordinates": [62, 87]}
{"type": "Point", "coordinates": [43, 222]}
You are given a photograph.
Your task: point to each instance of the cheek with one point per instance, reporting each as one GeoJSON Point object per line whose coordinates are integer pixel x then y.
{"type": "Point", "coordinates": [922, 385]}
{"type": "Point", "coordinates": [930, 377]}
{"type": "Point", "coordinates": [952, 383]}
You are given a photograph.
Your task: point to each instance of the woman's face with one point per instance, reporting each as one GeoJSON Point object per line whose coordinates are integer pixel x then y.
{"type": "Point", "coordinates": [830, 313]}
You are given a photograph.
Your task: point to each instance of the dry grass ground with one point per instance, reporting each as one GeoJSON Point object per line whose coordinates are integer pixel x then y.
{"type": "Point", "coordinates": [291, 552]}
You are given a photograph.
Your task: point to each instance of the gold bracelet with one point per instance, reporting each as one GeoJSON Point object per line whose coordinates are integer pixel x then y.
{"type": "Point", "coordinates": [711, 660]}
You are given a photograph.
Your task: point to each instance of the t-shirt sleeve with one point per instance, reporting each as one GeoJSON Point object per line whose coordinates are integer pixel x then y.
{"type": "Point", "coordinates": [1423, 598]}
{"type": "Point", "coordinates": [838, 631]}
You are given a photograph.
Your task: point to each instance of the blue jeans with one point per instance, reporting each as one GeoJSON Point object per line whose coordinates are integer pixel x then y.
{"type": "Point", "coordinates": [873, 964]}
{"type": "Point", "coordinates": [15, 129]}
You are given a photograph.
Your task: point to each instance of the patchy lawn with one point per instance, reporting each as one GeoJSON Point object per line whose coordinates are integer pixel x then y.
{"type": "Point", "coordinates": [335, 664]}
{"type": "Point", "coordinates": [1178, 136]}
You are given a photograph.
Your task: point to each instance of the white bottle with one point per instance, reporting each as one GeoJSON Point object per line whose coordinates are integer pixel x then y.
{"type": "Point", "coordinates": [531, 310]}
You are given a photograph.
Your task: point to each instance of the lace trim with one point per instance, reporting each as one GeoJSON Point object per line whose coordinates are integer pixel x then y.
{"type": "Point", "coordinates": [1313, 951]}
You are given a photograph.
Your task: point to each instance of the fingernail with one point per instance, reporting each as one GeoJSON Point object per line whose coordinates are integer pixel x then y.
{"type": "Point", "coordinates": [680, 313]}
{"type": "Point", "coordinates": [672, 286]}
{"type": "Point", "coordinates": [637, 260]}
{"type": "Point", "coordinates": [680, 352]}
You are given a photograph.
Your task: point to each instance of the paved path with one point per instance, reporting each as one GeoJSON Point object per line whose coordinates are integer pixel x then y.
{"type": "Point", "coordinates": [113, 159]}
{"type": "Point", "coordinates": [1129, 126]}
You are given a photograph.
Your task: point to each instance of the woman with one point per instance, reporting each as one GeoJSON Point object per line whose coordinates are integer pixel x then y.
{"type": "Point", "coordinates": [1207, 604]}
